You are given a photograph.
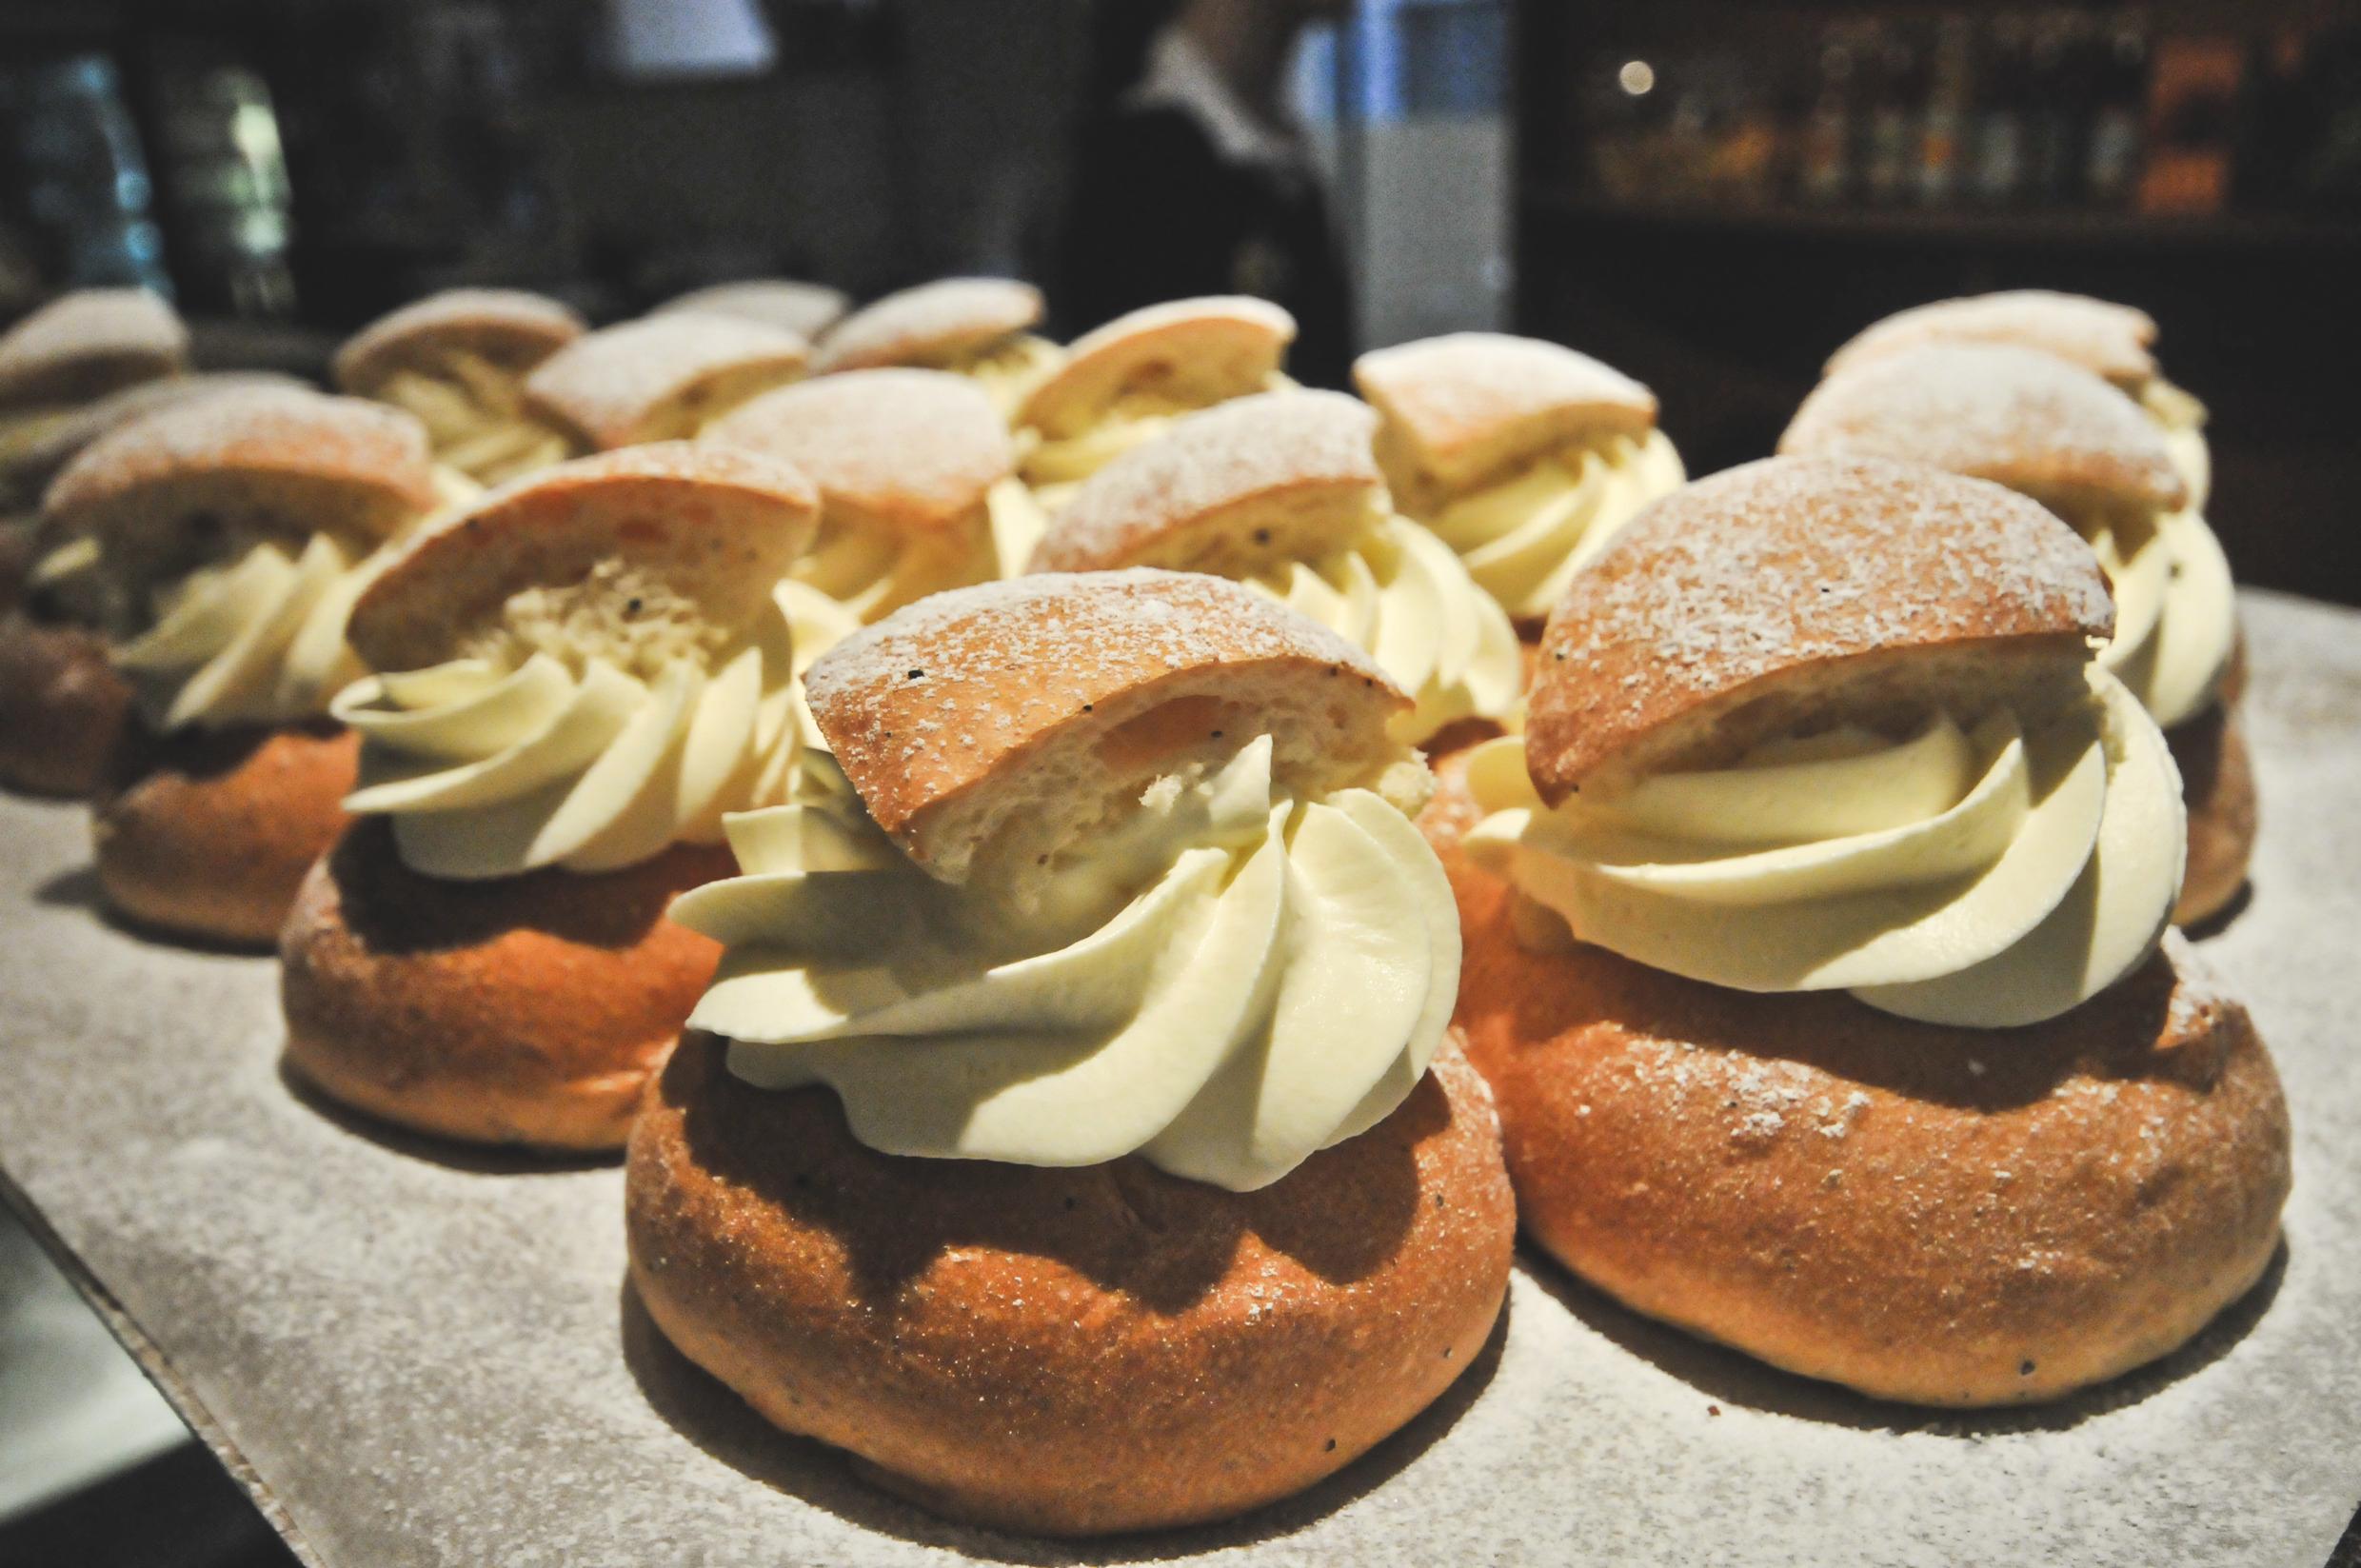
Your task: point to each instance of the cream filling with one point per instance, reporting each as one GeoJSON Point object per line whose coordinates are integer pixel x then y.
{"type": "Point", "coordinates": [475, 418]}
{"type": "Point", "coordinates": [1989, 876]}
{"type": "Point", "coordinates": [1009, 369]}
{"type": "Point", "coordinates": [1523, 537]}
{"type": "Point", "coordinates": [1228, 983]}
{"type": "Point", "coordinates": [492, 768]}
{"type": "Point", "coordinates": [1057, 461]}
{"type": "Point", "coordinates": [872, 572]}
{"type": "Point", "coordinates": [257, 640]}
{"type": "Point", "coordinates": [1401, 596]}
{"type": "Point", "coordinates": [2183, 419]}
{"type": "Point", "coordinates": [2177, 613]}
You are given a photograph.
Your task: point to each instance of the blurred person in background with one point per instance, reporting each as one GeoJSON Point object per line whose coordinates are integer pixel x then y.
{"type": "Point", "coordinates": [1191, 176]}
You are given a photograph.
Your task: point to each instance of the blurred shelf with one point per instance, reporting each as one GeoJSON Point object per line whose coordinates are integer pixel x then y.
{"type": "Point", "coordinates": [1997, 228]}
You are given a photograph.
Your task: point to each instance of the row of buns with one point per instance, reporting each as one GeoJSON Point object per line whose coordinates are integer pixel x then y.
{"type": "Point", "coordinates": [1101, 888]}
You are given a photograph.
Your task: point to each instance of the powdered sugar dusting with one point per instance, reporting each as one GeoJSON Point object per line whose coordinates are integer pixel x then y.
{"type": "Point", "coordinates": [941, 671]}
{"type": "Point", "coordinates": [270, 429]}
{"type": "Point", "coordinates": [805, 308]}
{"type": "Point", "coordinates": [921, 445]}
{"type": "Point", "coordinates": [1211, 460]}
{"type": "Point", "coordinates": [2112, 340]}
{"type": "Point", "coordinates": [94, 323]}
{"type": "Point", "coordinates": [609, 382]}
{"type": "Point", "coordinates": [1444, 391]}
{"type": "Point", "coordinates": [527, 327]}
{"type": "Point", "coordinates": [930, 324]}
{"type": "Point", "coordinates": [2027, 419]}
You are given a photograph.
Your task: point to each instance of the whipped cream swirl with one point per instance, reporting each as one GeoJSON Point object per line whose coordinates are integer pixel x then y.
{"type": "Point", "coordinates": [1987, 874]}
{"type": "Point", "coordinates": [2176, 611]}
{"type": "Point", "coordinates": [2183, 419]}
{"type": "Point", "coordinates": [1525, 535]}
{"type": "Point", "coordinates": [1403, 597]}
{"type": "Point", "coordinates": [1225, 983]}
{"type": "Point", "coordinates": [1059, 461]}
{"type": "Point", "coordinates": [475, 418]}
{"type": "Point", "coordinates": [259, 639]}
{"type": "Point", "coordinates": [491, 769]}
{"type": "Point", "coordinates": [1009, 369]}
{"type": "Point", "coordinates": [872, 573]}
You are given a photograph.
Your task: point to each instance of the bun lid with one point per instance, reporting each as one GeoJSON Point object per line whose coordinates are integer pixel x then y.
{"type": "Point", "coordinates": [806, 309]}
{"type": "Point", "coordinates": [510, 327]}
{"type": "Point", "coordinates": [278, 459]}
{"type": "Point", "coordinates": [909, 452]}
{"type": "Point", "coordinates": [932, 323]}
{"type": "Point", "coordinates": [704, 526]}
{"type": "Point", "coordinates": [1210, 349]}
{"type": "Point", "coordinates": [1276, 476]}
{"type": "Point", "coordinates": [28, 465]}
{"type": "Point", "coordinates": [90, 343]}
{"type": "Point", "coordinates": [658, 379]}
{"type": "Point", "coordinates": [998, 726]}
{"type": "Point", "coordinates": [1802, 591]}
{"type": "Point", "coordinates": [2016, 416]}
{"type": "Point", "coordinates": [2112, 340]}
{"type": "Point", "coordinates": [1464, 405]}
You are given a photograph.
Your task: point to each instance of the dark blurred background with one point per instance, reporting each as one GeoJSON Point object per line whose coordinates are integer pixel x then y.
{"type": "Point", "coordinates": [1708, 193]}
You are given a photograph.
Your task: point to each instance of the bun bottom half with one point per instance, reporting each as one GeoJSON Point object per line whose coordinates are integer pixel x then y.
{"type": "Point", "coordinates": [209, 834]}
{"type": "Point", "coordinates": [529, 1011]}
{"type": "Point", "coordinates": [64, 708]}
{"type": "Point", "coordinates": [1931, 1215]}
{"type": "Point", "coordinates": [2217, 784]}
{"type": "Point", "coordinates": [1067, 1351]}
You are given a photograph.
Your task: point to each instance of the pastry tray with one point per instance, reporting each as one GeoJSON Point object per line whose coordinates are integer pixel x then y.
{"type": "Point", "coordinates": [411, 1354]}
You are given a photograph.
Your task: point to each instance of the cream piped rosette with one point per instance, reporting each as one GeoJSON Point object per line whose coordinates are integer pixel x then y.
{"type": "Point", "coordinates": [981, 328]}
{"type": "Point", "coordinates": [916, 481]}
{"type": "Point", "coordinates": [1282, 491]}
{"type": "Point", "coordinates": [1122, 385]}
{"type": "Point", "coordinates": [2029, 419]}
{"type": "Point", "coordinates": [1524, 457]}
{"type": "Point", "coordinates": [1223, 951]}
{"type": "Point", "coordinates": [1910, 783]}
{"type": "Point", "coordinates": [219, 544]}
{"type": "Point", "coordinates": [457, 360]}
{"type": "Point", "coordinates": [2114, 341]}
{"type": "Point", "coordinates": [588, 666]}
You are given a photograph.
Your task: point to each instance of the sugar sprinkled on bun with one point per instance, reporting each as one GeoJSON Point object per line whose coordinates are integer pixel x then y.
{"type": "Point", "coordinates": [662, 377]}
{"type": "Point", "coordinates": [90, 342]}
{"type": "Point", "coordinates": [2111, 339]}
{"type": "Point", "coordinates": [1741, 606]}
{"type": "Point", "coordinates": [930, 324]}
{"type": "Point", "coordinates": [2023, 418]}
{"type": "Point", "coordinates": [1203, 350]}
{"type": "Point", "coordinates": [1462, 407]}
{"type": "Point", "coordinates": [509, 327]}
{"type": "Point", "coordinates": [806, 309]}
{"type": "Point", "coordinates": [973, 758]}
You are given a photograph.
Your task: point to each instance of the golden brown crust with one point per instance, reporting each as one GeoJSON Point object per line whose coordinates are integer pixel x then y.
{"type": "Point", "coordinates": [509, 327]}
{"type": "Point", "coordinates": [2016, 416]}
{"type": "Point", "coordinates": [719, 522]}
{"type": "Point", "coordinates": [1460, 406]}
{"type": "Point", "coordinates": [939, 698]}
{"type": "Point", "coordinates": [208, 834]}
{"type": "Point", "coordinates": [529, 1011]}
{"type": "Point", "coordinates": [1277, 475]}
{"type": "Point", "coordinates": [930, 324]}
{"type": "Point", "coordinates": [806, 309]}
{"type": "Point", "coordinates": [1797, 574]}
{"type": "Point", "coordinates": [1218, 347]}
{"type": "Point", "coordinates": [87, 343]}
{"type": "Point", "coordinates": [30, 464]}
{"type": "Point", "coordinates": [2112, 340]}
{"type": "Point", "coordinates": [2218, 782]}
{"type": "Point", "coordinates": [660, 378]}
{"type": "Point", "coordinates": [1232, 1348]}
{"type": "Point", "coordinates": [907, 452]}
{"type": "Point", "coordinates": [1948, 1216]}
{"type": "Point", "coordinates": [64, 708]}
{"type": "Point", "coordinates": [292, 461]}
